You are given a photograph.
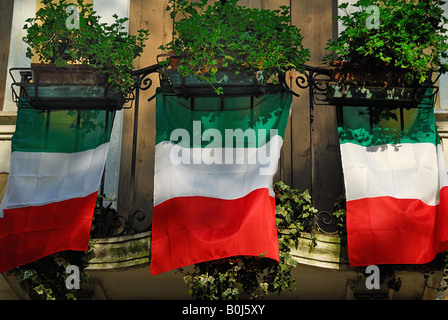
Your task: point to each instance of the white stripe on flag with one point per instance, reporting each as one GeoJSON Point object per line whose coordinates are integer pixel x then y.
{"type": "Point", "coordinates": [250, 169]}
{"type": "Point", "coordinates": [443, 174]}
{"type": "Point", "coordinates": [402, 171]}
{"type": "Point", "coordinates": [40, 178]}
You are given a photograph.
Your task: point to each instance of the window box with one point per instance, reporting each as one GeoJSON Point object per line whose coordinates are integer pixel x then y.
{"type": "Point", "coordinates": [48, 87]}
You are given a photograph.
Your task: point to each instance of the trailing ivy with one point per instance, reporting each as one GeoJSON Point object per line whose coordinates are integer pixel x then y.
{"type": "Point", "coordinates": [339, 213]}
{"type": "Point", "coordinates": [255, 277]}
{"type": "Point", "coordinates": [45, 279]}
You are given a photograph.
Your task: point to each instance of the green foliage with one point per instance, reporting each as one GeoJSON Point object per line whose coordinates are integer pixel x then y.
{"type": "Point", "coordinates": [106, 47]}
{"type": "Point", "coordinates": [411, 36]}
{"type": "Point", "coordinates": [44, 279]}
{"type": "Point", "coordinates": [235, 38]}
{"type": "Point", "coordinates": [227, 279]}
{"type": "Point", "coordinates": [339, 213]}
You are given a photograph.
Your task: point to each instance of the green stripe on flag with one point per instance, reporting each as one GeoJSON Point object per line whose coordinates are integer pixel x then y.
{"type": "Point", "coordinates": [373, 126]}
{"type": "Point", "coordinates": [61, 131]}
{"type": "Point", "coordinates": [377, 126]}
{"type": "Point", "coordinates": [231, 115]}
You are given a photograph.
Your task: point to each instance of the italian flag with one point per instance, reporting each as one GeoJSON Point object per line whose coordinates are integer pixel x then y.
{"type": "Point", "coordinates": [214, 165]}
{"type": "Point", "coordinates": [57, 163]}
{"type": "Point", "coordinates": [396, 185]}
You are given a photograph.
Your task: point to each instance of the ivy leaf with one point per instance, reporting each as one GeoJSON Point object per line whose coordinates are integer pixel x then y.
{"type": "Point", "coordinates": [60, 62]}
{"type": "Point", "coordinates": [292, 262]}
{"type": "Point", "coordinates": [26, 275]}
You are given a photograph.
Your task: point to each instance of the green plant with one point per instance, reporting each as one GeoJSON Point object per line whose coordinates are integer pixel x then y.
{"type": "Point", "coordinates": [45, 278]}
{"type": "Point", "coordinates": [228, 279]}
{"type": "Point", "coordinates": [294, 213]}
{"type": "Point", "coordinates": [411, 35]}
{"type": "Point", "coordinates": [230, 37]}
{"type": "Point", "coordinates": [108, 48]}
{"type": "Point", "coordinates": [339, 213]}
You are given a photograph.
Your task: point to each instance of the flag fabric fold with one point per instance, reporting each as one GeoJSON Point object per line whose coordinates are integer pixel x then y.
{"type": "Point", "coordinates": [396, 185]}
{"type": "Point", "coordinates": [214, 165]}
{"type": "Point", "coordinates": [57, 162]}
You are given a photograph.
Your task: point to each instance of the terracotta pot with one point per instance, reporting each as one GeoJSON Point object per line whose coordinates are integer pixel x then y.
{"type": "Point", "coordinates": [174, 60]}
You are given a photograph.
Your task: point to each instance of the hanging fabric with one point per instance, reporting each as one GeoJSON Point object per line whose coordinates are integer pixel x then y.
{"type": "Point", "coordinates": [57, 162]}
{"type": "Point", "coordinates": [396, 184]}
{"type": "Point", "coordinates": [214, 164]}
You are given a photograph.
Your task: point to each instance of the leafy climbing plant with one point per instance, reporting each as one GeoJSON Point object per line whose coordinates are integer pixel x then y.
{"type": "Point", "coordinates": [108, 48]}
{"type": "Point", "coordinates": [255, 277]}
{"type": "Point", "coordinates": [45, 279]}
{"type": "Point", "coordinates": [235, 38]}
{"type": "Point", "coordinates": [340, 214]}
{"type": "Point", "coordinates": [410, 35]}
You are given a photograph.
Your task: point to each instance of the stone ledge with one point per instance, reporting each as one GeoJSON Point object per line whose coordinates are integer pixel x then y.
{"type": "Point", "coordinates": [325, 254]}
{"type": "Point", "coordinates": [119, 252]}
{"type": "Point", "coordinates": [7, 124]}
{"type": "Point", "coordinates": [129, 251]}
{"type": "Point", "coordinates": [441, 114]}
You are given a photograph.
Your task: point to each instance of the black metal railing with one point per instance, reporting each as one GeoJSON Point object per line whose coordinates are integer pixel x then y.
{"type": "Point", "coordinates": [326, 90]}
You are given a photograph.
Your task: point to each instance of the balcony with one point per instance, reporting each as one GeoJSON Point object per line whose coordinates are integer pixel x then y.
{"type": "Point", "coordinates": [119, 269]}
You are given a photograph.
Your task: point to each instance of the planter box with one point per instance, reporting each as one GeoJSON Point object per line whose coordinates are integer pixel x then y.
{"type": "Point", "coordinates": [57, 97]}
{"type": "Point", "coordinates": [232, 84]}
{"type": "Point", "coordinates": [352, 95]}
{"type": "Point", "coordinates": [355, 85]}
{"type": "Point", "coordinates": [73, 87]}
{"type": "Point", "coordinates": [78, 74]}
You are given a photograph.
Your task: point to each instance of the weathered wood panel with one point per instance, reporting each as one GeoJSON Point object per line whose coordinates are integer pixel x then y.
{"type": "Point", "coordinates": [138, 194]}
{"type": "Point", "coordinates": [315, 147]}
{"type": "Point", "coordinates": [3, 183]}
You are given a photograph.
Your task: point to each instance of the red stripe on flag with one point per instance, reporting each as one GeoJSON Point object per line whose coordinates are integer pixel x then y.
{"type": "Point", "coordinates": [189, 230]}
{"type": "Point", "coordinates": [30, 233]}
{"type": "Point", "coordinates": [386, 230]}
{"type": "Point", "coordinates": [442, 221]}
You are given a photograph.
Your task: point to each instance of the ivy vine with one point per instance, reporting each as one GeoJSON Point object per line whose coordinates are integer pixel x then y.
{"type": "Point", "coordinates": [45, 278]}
{"type": "Point", "coordinates": [255, 277]}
